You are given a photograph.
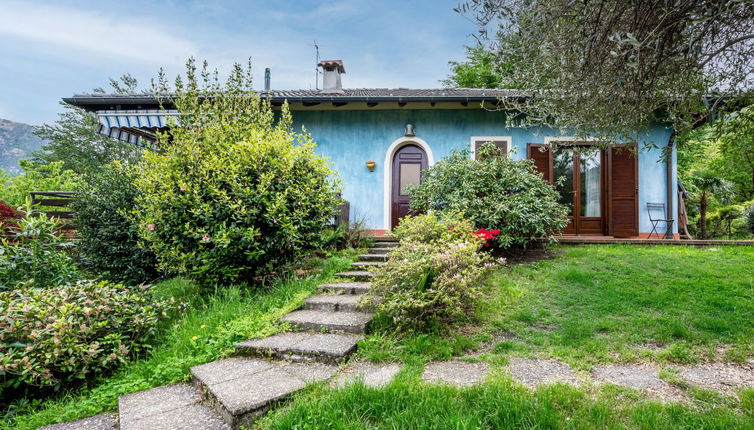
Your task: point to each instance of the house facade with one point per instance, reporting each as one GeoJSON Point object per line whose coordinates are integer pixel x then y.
{"type": "Point", "coordinates": [379, 141]}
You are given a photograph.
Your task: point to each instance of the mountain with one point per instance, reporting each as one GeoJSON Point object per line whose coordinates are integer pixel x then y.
{"type": "Point", "coordinates": [17, 141]}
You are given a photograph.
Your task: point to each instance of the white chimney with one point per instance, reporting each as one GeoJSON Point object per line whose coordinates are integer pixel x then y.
{"type": "Point", "coordinates": [331, 71]}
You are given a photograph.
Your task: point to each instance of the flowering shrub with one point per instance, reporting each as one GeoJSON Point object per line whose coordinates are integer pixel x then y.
{"type": "Point", "coordinates": [434, 277]}
{"type": "Point", "coordinates": [235, 192]}
{"type": "Point", "coordinates": [108, 238]}
{"type": "Point", "coordinates": [56, 335]}
{"type": "Point", "coordinates": [487, 235]}
{"type": "Point", "coordinates": [495, 191]}
{"type": "Point", "coordinates": [36, 252]}
{"type": "Point", "coordinates": [8, 219]}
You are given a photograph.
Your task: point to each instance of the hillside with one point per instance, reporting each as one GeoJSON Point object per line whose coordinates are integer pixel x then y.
{"type": "Point", "coordinates": [17, 141]}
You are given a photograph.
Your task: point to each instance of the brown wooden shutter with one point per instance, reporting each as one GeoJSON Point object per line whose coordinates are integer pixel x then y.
{"type": "Point", "coordinates": [501, 144]}
{"type": "Point", "coordinates": [623, 191]}
{"type": "Point", "coordinates": [542, 159]}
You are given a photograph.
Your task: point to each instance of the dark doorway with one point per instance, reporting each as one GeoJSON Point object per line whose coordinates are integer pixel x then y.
{"type": "Point", "coordinates": [408, 162]}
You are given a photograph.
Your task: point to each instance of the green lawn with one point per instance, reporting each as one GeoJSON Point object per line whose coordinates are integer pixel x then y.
{"type": "Point", "coordinates": [600, 304]}
{"type": "Point", "coordinates": [207, 330]}
{"type": "Point", "coordinates": [408, 403]}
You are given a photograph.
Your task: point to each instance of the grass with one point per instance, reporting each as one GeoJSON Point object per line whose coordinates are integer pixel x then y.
{"type": "Point", "coordinates": [603, 304]}
{"type": "Point", "coordinates": [207, 330]}
{"type": "Point", "coordinates": [499, 403]}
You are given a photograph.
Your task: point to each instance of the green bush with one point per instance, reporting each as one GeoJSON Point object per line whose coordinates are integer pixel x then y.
{"type": "Point", "coordinates": [35, 252]}
{"type": "Point", "coordinates": [749, 216]}
{"type": "Point", "coordinates": [47, 177]}
{"type": "Point", "coordinates": [234, 192]}
{"type": "Point", "coordinates": [57, 335]}
{"type": "Point", "coordinates": [495, 192]}
{"type": "Point", "coordinates": [108, 238]}
{"type": "Point", "coordinates": [434, 277]}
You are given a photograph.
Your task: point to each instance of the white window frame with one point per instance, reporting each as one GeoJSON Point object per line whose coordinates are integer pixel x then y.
{"type": "Point", "coordinates": [508, 143]}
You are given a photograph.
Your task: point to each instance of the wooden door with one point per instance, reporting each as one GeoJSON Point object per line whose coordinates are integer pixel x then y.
{"type": "Point", "coordinates": [408, 162]}
{"type": "Point", "coordinates": [623, 191]}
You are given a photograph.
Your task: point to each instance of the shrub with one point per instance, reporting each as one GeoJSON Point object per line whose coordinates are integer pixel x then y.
{"type": "Point", "coordinates": [495, 192]}
{"type": "Point", "coordinates": [36, 253]}
{"type": "Point", "coordinates": [235, 192]}
{"type": "Point", "coordinates": [434, 277]}
{"type": "Point", "coordinates": [347, 237]}
{"type": "Point", "coordinates": [46, 177]}
{"type": "Point", "coordinates": [749, 216]}
{"type": "Point", "coordinates": [108, 238]}
{"type": "Point", "coordinates": [57, 335]}
{"type": "Point", "coordinates": [8, 219]}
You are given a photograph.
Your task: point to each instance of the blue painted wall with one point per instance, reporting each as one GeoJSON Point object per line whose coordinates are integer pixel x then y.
{"type": "Point", "coordinates": [350, 138]}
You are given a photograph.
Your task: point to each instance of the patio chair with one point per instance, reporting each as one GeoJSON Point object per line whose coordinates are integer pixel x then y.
{"type": "Point", "coordinates": [657, 215]}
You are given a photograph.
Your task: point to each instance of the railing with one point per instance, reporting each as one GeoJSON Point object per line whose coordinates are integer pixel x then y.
{"type": "Point", "coordinates": [56, 199]}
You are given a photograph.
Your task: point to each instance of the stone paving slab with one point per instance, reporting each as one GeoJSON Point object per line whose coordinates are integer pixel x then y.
{"type": "Point", "coordinates": [347, 287]}
{"type": "Point", "coordinates": [98, 422]}
{"type": "Point", "coordinates": [170, 407]}
{"type": "Point", "coordinates": [242, 398]}
{"type": "Point", "coordinates": [638, 377]}
{"type": "Point", "coordinates": [372, 375]}
{"type": "Point", "coordinates": [533, 372]}
{"type": "Point", "coordinates": [458, 373]}
{"type": "Point", "coordinates": [337, 303]}
{"type": "Point", "coordinates": [320, 347]}
{"type": "Point", "coordinates": [373, 257]}
{"type": "Point", "coordinates": [722, 377]}
{"type": "Point", "coordinates": [333, 322]}
{"type": "Point", "coordinates": [380, 251]}
{"type": "Point", "coordinates": [367, 264]}
{"type": "Point", "coordinates": [358, 275]}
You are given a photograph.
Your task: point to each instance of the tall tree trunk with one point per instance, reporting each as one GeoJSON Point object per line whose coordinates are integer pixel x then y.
{"type": "Point", "coordinates": [703, 216]}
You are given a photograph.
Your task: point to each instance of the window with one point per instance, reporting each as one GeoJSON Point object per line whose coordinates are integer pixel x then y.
{"type": "Point", "coordinates": [502, 142]}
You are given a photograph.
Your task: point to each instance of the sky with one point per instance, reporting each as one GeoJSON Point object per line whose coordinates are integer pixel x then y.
{"type": "Point", "coordinates": [54, 49]}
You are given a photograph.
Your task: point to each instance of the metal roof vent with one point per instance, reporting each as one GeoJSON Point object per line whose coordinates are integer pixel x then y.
{"type": "Point", "coordinates": [332, 69]}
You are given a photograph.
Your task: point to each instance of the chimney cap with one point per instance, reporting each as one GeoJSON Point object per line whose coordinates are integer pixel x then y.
{"type": "Point", "coordinates": [332, 64]}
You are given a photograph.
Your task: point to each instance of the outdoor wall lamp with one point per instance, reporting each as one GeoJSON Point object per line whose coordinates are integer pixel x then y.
{"type": "Point", "coordinates": [370, 165]}
{"type": "Point", "coordinates": [409, 130]}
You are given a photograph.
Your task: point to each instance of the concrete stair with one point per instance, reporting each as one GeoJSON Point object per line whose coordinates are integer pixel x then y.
{"type": "Point", "coordinates": [233, 393]}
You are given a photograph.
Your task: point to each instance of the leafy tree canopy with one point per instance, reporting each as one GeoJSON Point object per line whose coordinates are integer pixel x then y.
{"type": "Point", "coordinates": [480, 70]}
{"type": "Point", "coordinates": [611, 67]}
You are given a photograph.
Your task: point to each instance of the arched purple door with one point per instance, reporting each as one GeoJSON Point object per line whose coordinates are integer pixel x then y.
{"type": "Point", "coordinates": [408, 162]}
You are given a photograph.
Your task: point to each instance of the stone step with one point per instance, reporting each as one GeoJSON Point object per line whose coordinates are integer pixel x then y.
{"type": "Point", "coordinates": [168, 407]}
{"type": "Point", "coordinates": [385, 244]}
{"type": "Point", "coordinates": [346, 287]}
{"type": "Point", "coordinates": [240, 389]}
{"type": "Point", "coordinates": [104, 421]}
{"type": "Point", "coordinates": [329, 322]}
{"type": "Point", "coordinates": [383, 239]}
{"type": "Point", "coordinates": [337, 303]}
{"type": "Point", "coordinates": [367, 264]}
{"type": "Point", "coordinates": [301, 347]}
{"type": "Point", "coordinates": [358, 275]}
{"type": "Point", "coordinates": [373, 257]}
{"type": "Point", "coordinates": [380, 251]}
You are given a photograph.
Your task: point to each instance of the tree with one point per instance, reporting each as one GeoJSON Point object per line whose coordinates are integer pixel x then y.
{"type": "Point", "coordinates": [707, 185]}
{"type": "Point", "coordinates": [736, 144]}
{"type": "Point", "coordinates": [74, 141]}
{"type": "Point", "coordinates": [480, 70]}
{"type": "Point", "coordinates": [609, 68]}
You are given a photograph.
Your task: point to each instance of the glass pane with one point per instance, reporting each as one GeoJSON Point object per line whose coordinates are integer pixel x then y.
{"type": "Point", "coordinates": [590, 184]}
{"type": "Point", "coordinates": [562, 167]}
{"type": "Point", "coordinates": [410, 175]}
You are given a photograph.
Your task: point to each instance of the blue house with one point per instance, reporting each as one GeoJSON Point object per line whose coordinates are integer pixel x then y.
{"type": "Point", "coordinates": [379, 140]}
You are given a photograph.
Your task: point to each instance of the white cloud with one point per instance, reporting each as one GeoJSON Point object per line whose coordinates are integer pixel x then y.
{"type": "Point", "coordinates": [93, 32]}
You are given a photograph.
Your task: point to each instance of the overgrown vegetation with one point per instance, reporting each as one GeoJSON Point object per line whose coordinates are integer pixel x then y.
{"type": "Point", "coordinates": [107, 235]}
{"type": "Point", "coordinates": [72, 332]}
{"type": "Point", "coordinates": [14, 190]}
{"type": "Point", "coordinates": [206, 330]}
{"type": "Point", "coordinates": [493, 192]}
{"type": "Point", "coordinates": [234, 192]}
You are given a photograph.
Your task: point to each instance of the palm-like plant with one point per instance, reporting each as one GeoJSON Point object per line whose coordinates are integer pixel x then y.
{"type": "Point", "coordinates": [708, 185]}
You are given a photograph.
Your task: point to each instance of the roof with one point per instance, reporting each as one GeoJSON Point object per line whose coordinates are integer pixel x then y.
{"type": "Point", "coordinates": [349, 95]}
